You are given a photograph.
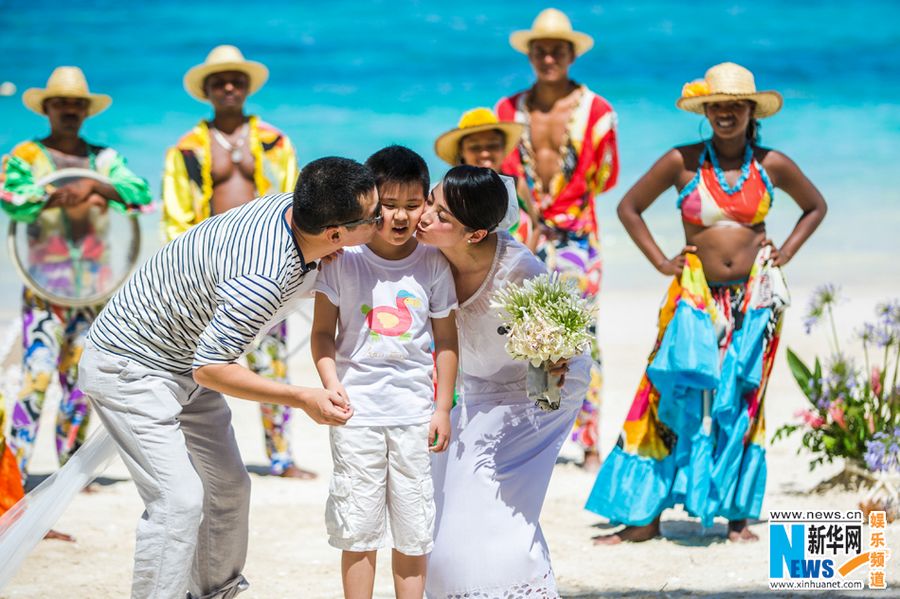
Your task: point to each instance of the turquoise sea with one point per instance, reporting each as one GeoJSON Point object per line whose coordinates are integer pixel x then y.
{"type": "Point", "coordinates": [350, 77]}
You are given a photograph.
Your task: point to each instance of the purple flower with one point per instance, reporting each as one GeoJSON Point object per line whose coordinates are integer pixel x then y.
{"type": "Point", "coordinates": [889, 312]}
{"type": "Point", "coordinates": [824, 295]}
{"type": "Point", "coordinates": [867, 333]}
{"type": "Point", "coordinates": [885, 335]}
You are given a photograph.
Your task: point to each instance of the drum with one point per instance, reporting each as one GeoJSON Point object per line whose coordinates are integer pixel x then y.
{"type": "Point", "coordinates": [76, 255]}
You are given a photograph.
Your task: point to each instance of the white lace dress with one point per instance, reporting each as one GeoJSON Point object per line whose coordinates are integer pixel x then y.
{"type": "Point", "coordinates": [491, 482]}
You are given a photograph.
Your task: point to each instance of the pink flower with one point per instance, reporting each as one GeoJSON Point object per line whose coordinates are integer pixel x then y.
{"type": "Point", "coordinates": [837, 415]}
{"type": "Point", "coordinates": [876, 381]}
{"type": "Point", "coordinates": [809, 418]}
{"type": "Point", "coordinates": [871, 421]}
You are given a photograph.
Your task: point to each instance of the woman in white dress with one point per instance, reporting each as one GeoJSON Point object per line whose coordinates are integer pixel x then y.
{"type": "Point", "coordinates": [491, 482]}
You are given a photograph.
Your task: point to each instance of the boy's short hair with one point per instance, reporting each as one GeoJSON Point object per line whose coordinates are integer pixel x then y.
{"type": "Point", "coordinates": [328, 192]}
{"type": "Point", "coordinates": [399, 164]}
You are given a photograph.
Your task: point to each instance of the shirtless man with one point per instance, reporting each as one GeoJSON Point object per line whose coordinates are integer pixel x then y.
{"type": "Point", "coordinates": [223, 163]}
{"type": "Point", "coordinates": [566, 157]}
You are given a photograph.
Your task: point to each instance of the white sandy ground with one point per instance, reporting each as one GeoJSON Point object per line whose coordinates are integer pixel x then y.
{"type": "Point", "coordinates": [289, 555]}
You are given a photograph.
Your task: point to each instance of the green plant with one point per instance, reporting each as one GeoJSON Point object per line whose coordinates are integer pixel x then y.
{"type": "Point", "coordinates": [849, 405]}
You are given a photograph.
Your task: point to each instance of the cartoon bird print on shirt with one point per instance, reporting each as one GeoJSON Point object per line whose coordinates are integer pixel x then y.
{"type": "Point", "coordinates": [389, 321]}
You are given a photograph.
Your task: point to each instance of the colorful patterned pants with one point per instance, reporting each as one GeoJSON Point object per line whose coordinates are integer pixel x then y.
{"type": "Point", "coordinates": [53, 339]}
{"type": "Point", "coordinates": [269, 359]}
{"type": "Point", "coordinates": [577, 257]}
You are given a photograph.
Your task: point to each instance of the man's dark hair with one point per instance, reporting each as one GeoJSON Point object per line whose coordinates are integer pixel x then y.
{"type": "Point", "coordinates": [476, 196]}
{"type": "Point", "coordinates": [398, 165]}
{"type": "Point", "coordinates": [328, 192]}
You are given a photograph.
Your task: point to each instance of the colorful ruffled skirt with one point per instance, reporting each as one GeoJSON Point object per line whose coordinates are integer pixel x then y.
{"type": "Point", "coordinates": [695, 433]}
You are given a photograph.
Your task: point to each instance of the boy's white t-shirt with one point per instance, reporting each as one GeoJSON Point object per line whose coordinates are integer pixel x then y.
{"type": "Point", "coordinates": [384, 341]}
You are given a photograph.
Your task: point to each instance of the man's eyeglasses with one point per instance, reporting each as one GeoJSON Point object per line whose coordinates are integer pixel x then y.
{"type": "Point", "coordinates": [376, 220]}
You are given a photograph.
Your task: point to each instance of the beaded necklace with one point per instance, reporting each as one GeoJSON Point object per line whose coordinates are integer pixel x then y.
{"type": "Point", "coordinates": [720, 174]}
{"type": "Point", "coordinates": [529, 158]}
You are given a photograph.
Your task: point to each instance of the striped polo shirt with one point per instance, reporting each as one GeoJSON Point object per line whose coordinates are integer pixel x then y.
{"type": "Point", "coordinates": [204, 297]}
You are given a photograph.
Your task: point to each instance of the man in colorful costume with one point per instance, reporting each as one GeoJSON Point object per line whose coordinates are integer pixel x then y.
{"type": "Point", "coordinates": [53, 335]}
{"type": "Point", "coordinates": [567, 156]}
{"type": "Point", "coordinates": [223, 163]}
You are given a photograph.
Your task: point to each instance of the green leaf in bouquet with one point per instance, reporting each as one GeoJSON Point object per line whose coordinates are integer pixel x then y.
{"type": "Point", "coordinates": [784, 431]}
{"type": "Point", "coordinates": [801, 373]}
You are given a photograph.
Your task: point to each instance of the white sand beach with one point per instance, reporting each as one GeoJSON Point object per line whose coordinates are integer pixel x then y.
{"type": "Point", "coordinates": [289, 555]}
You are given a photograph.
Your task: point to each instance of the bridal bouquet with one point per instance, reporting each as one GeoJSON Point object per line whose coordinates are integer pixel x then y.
{"type": "Point", "coordinates": [545, 320]}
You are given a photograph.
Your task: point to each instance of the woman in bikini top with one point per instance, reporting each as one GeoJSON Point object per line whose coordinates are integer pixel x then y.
{"type": "Point", "coordinates": [726, 183]}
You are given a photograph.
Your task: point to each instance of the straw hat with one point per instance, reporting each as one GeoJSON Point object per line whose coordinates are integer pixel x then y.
{"type": "Point", "coordinates": [65, 82]}
{"type": "Point", "coordinates": [727, 82]}
{"type": "Point", "coordinates": [475, 121]}
{"type": "Point", "coordinates": [221, 59]}
{"type": "Point", "coordinates": [555, 25]}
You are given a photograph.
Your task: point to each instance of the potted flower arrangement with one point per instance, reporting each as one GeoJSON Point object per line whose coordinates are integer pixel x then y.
{"type": "Point", "coordinates": [854, 409]}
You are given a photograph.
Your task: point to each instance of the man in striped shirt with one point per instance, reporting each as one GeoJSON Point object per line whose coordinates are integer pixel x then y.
{"type": "Point", "coordinates": [164, 350]}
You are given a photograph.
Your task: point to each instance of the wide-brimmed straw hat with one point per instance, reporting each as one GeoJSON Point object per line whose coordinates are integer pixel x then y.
{"type": "Point", "coordinates": [475, 121]}
{"type": "Point", "coordinates": [65, 82]}
{"type": "Point", "coordinates": [221, 59]}
{"type": "Point", "coordinates": [554, 25]}
{"type": "Point", "coordinates": [727, 82]}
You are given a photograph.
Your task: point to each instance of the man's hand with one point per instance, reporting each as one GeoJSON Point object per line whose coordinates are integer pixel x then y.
{"type": "Point", "coordinates": [72, 194]}
{"type": "Point", "coordinates": [80, 212]}
{"type": "Point", "coordinates": [326, 407]}
{"type": "Point", "coordinates": [439, 431]}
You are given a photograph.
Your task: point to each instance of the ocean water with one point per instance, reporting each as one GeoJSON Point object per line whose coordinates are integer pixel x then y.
{"type": "Point", "coordinates": [347, 78]}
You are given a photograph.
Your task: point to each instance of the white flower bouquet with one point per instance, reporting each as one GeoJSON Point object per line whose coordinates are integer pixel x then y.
{"type": "Point", "coordinates": [545, 320]}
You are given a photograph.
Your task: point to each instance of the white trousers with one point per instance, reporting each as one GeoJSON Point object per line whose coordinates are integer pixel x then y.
{"type": "Point", "coordinates": [176, 439]}
{"type": "Point", "coordinates": [381, 474]}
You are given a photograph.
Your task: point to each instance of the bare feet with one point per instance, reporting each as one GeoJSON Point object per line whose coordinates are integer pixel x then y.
{"type": "Point", "coordinates": [293, 471]}
{"type": "Point", "coordinates": [591, 461]}
{"type": "Point", "coordinates": [739, 532]}
{"type": "Point", "coordinates": [59, 536]}
{"type": "Point", "coordinates": [632, 534]}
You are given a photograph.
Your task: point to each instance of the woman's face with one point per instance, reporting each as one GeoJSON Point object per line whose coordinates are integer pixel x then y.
{"type": "Point", "coordinates": [438, 226]}
{"type": "Point", "coordinates": [729, 119]}
{"type": "Point", "coordinates": [484, 149]}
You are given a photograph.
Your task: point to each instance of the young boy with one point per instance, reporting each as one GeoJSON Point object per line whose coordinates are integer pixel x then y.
{"type": "Point", "coordinates": [389, 299]}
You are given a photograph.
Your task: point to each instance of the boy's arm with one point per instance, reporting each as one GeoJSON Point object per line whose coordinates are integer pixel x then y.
{"type": "Point", "coordinates": [321, 343]}
{"type": "Point", "coordinates": [322, 405]}
{"type": "Point", "coordinates": [446, 362]}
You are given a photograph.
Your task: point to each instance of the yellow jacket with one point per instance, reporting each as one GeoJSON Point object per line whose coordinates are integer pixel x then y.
{"type": "Point", "coordinates": [187, 179]}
